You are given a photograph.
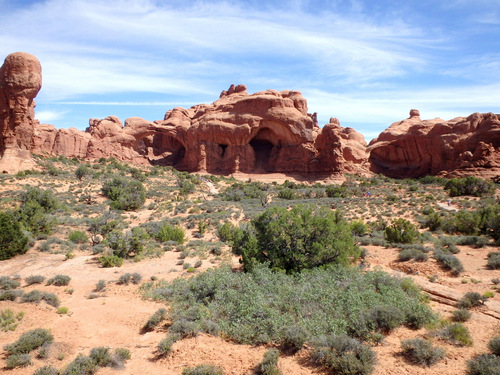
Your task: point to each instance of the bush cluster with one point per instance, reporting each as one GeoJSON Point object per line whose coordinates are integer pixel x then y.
{"type": "Point", "coordinates": [203, 370]}
{"type": "Point", "coordinates": [124, 194]}
{"type": "Point", "coordinates": [269, 364]}
{"type": "Point", "coordinates": [36, 205]}
{"type": "Point", "coordinates": [421, 352]}
{"type": "Point", "coordinates": [303, 238]}
{"type": "Point", "coordinates": [98, 357]}
{"type": "Point", "coordinates": [18, 352]}
{"type": "Point", "coordinates": [449, 261]}
{"type": "Point", "coordinates": [486, 364]}
{"type": "Point", "coordinates": [474, 186]}
{"type": "Point", "coordinates": [402, 231]}
{"type": "Point", "coordinates": [12, 239]}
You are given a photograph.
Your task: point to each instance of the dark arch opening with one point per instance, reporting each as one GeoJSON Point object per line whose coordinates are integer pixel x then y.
{"type": "Point", "coordinates": [262, 149]}
{"type": "Point", "coordinates": [223, 149]}
{"type": "Point", "coordinates": [166, 150]}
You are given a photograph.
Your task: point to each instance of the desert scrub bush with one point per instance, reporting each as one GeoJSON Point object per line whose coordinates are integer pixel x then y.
{"type": "Point", "coordinates": [159, 316]}
{"type": "Point", "coordinates": [165, 346]}
{"type": "Point", "coordinates": [264, 303]}
{"type": "Point", "coordinates": [29, 341]}
{"type": "Point", "coordinates": [78, 236]}
{"type": "Point", "coordinates": [494, 345]}
{"type": "Point", "coordinates": [126, 278]}
{"type": "Point", "coordinates": [288, 194]}
{"type": "Point", "coordinates": [18, 360]}
{"type": "Point", "coordinates": [343, 355]}
{"type": "Point", "coordinates": [460, 315]}
{"type": "Point", "coordinates": [494, 260]}
{"type": "Point", "coordinates": [6, 283]}
{"type": "Point", "coordinates": [51, 299]}
{"type": "Point", "coordinates": [471, 299]}
{"type": "Point", "coordinates": [448, 261]}
{"type": "Point", "coordinates": [101, 356]}
{"type": "Point", "coordinates": [474, 186]}
{"type": "Point", "coordinates": [484, 364]}
{"type": "Point", "coordinates": [9, 321]}
{"type": "Point", "coordinates": [124, 194]}
{"type": "Point", "coordinates": [81, 365]}
{"type": "Point", "coordinates": [100, 286]}
{"type": "Point", "coordinates": [12, 239]}
{"type": "Point", "coordinates": [456, 334]}
{"type": "Point", "coordinates": [358, 227]}
{"type": "Point", "coordinates": [82, 171]}
{"type": "Point", "coordinates": [108, 261]}
{"type": "Point", "coordinates": [203, 370]}
{"type": "Point", "coordinates": [269, 364]}
{"type": "Point", "coordinates": [10, 295]}
{"type": "Point", "coordinates": [34, 296]}
{"type": "Point", "coordinates": [412, 253]}
{"type": "Point", "coordinates": [228, 232]}
{"type": "Point", "coordinates": [36, 204]}
{"type": "Point", "coordinates": [421, 352]}
{"type": "Point", "coordinates": [304, 237]}
{"type": "Point", "coordinates": [402, 231]}
{"type": "Point", "coordinates": [46, 370]}
{"type": "Point", "coordinates": [168, 232]}
{"type": "Point", "coordinates": [59, 280]}
{"type": "Point", "coordinates": [294, 338]}
{"type": "Point", "coordinates": [34, 279]}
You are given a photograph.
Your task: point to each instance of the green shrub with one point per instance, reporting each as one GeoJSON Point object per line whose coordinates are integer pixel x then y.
{"type": "Point", "coordinates": [411, 253]}
{"type": "Point", "coordinates": [460, 315]}
{"type": "Point", "coordinates": [484, 364]}
{"type": "Point", "coordinates": [421, 352]}
{"type": "Point", "coordinates": [6, 283]}
{"type": "Point", "coordinates": [203, 370]}
{"type": "Point", "coordinates": [228, 232]}
{"type": "Point", "coordinates": [34, 279]}
{"type": "Point", "coordinates": [18, 360]}
{"type": "Point", "coordinates": [59, 280]}
{"type": "Point", "coordinates": [402, 231]}
{"type": "Point", "coordinates": [81, 365]}
{"type": "Point", "coordinates": [456, 334]}
{"type": "Point", "coordinates": [302, 238]}
{"type": "Point", "coordinates": [82, 171]}
{"type": "Point", "coordinates": [343, 355]}
{"type": "Point", "coordinates": [494, 345]}
{"type": "Point", "coordinates": [494, 260]}
{"type": "Point", "coordinates": [10, 295]}
{"type": "Point", "coordinates": [35, 205]}
{"type": "Point", "coordinates": [12, 239]}
{"type": "Point", "coordinates": [171, 233]}
{"type": "Point", "coordinates": [34, 296]}
{"type": "Point", "coordinates": [9, 321]}
{"type": "Point", "coordinates": [358, 227]}
{"type": "Point", "coordinates": [121, 355]}
{"type": "Point", "coordinates": [470, 299]}
{"type": "Point", "coordinates": [474, 186]}
{"type": "Point", "coordinates": [134, 278]}
{"type": "Point", "coordinates": [100, 286]}
{"type": "Point", "coordinates": [78, 236]}
{"type": "Point", "coordinates": [265, 303]}
{"type": "Point", "coordinates": [385, 318]}
{"type": "Point", "coordinates": [108, 261]}
{"type": "Point", "coordinates": [29, 341]}
{"type": "Point", "coordinates": [155, 319]}
{"type": "Point", "coordinates": [288, 194]}
{"type": "Point", "coordinates": [449, 261]}
{"type": "Point", "coordinates": [124, 194]}
{"type": "Point", "coordinates": [51, 299]}
{"type": "Point", "coordinates": [101, 356]}
{"type": "Point", "coordinates": [269, 364]}
{"type": "Point", "coordinates": [165, 346]}
{"type": "Point", "coordinates": [46, 370]}
{"type": "Point", "coordinates": [294, 338]}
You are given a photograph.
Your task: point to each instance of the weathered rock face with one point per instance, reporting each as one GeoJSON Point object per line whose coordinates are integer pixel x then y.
{"type": "Point", "coordinates": [461, 146]}
{"type": "Point", "coordinates": [20, 81]}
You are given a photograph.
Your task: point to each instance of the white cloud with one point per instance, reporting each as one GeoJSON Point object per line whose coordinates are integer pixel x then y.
{"type": "Point", "coordinates": [49, 116]}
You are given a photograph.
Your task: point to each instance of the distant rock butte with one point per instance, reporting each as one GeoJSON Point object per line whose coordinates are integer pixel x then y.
{"type": "Point", "coordinates": [268, 131]}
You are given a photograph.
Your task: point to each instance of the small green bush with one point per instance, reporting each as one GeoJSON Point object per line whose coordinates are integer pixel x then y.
{"type": "Point", "coordinates": [6, 283]}
{"type": "Point", "coordinates": [494, 260]}
{"type": "Point", "coordinates": [9, 321]}
{"type": "Point", "coordinates": [155, 319]}
{"type": "Point", "coordinates": [81, 365]}
{"type": "Point", "coordinates": [101, 356]}
{"type": "Point", "coordinates": [402, 231]}
{"type": "Point", "coordinates": [470, 299]}
{"type": "Point", "coordinates": [59, 280]}
{"type": "Point", "coordinates": [108, 261]}
{"type": "Point", "coordinates": [46, 370]}
{"type": "Point", "coordinates": [203, 370]}
{"type": "Point", "coordinates": [343, 355]}
{"type": "Point", "coordinates": [78, 236]}
{"type": "Point", "coordinates": [12, 239]}
{"type": "Point", "coordinates": [474, 186]}
{"type": "Point", "coordinates": [494, 345]}
{"type": "Point", "coordinates": [171, 233]}
{"type": "Point", "coordinates": [165, 346]}
{"type": "Point", "coordinates": [456, 334]}
{"type": "Point", "coordinates": [411, 253]}
{"type": "Point", "coordinates": [34, 279]}
{"type": "Point", "coordinates": [460, 315]}
{"type": "Point", "coordinates": [228, 232]}
{"type": "Point", "coordinates": [294, 338]}
{"type": "Point", "coordinates": [121, 355]}
{"type": "Point", "coordinates": [269, 364]}
{"type": "Point", "coordinates": [100, 286]}
{"type": "Point", "coordinates": [10, 295]}
{"type": "Point", "coordinates": [421, 352]}
{"type": "Point", "coordinates": [51, 299]}
{"type": "Point", "coordinates": [124, 194]}
{"type": "Point", "coordinates": [29, 341]}
{"type": "Point", "coordinates": [385, 318]}
{"type": "Point", "coordinates": [449, 261]}
{"type": "Point", "coordinates": [18, 360]}
{"type": "Point", "coordinates": [484, 364]}
{"type": "Point", "coordinates": [35, 296]}
{"type": "Point", "coordinates": [82, 171]}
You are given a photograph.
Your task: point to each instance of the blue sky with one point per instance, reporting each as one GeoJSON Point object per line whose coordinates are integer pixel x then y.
{"type": "Point", "coordinates": [365, 62]}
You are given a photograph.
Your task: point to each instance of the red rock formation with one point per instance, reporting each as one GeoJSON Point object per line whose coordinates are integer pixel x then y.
{"type": "Point", "coordinates": [461, 146]}
{"type": "Point", "coordinates": [20, 81]}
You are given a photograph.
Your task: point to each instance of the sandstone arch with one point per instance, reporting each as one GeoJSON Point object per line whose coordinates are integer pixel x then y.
{"type": "Point", "coordinates": [265, 146]}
